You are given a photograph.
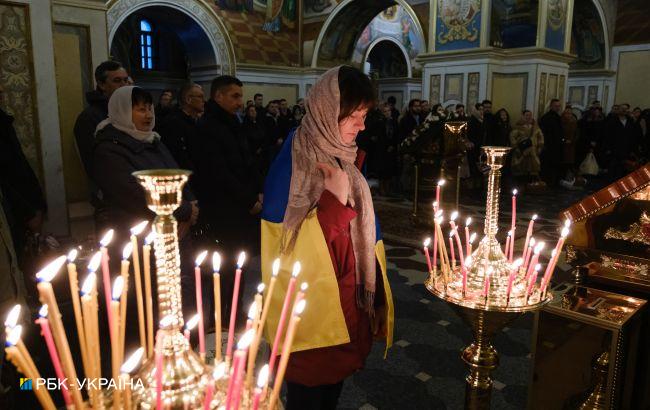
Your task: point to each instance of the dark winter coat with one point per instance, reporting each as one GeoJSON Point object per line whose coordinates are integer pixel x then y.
{"type": "Point", "coordinates": [178, 131]}
{"type": "Point", "coordinates": [86, 124]}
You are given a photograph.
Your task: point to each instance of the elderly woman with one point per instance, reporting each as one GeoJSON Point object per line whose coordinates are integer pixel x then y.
{"type": "Point", "coordinates": [318, 210]}
{"type": "Point", "coordinates": [527, 142]}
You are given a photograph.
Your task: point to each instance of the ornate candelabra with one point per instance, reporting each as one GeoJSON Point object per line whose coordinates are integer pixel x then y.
{"type": "Point", "coordinates": [185, 375]}
{"type": "Point", "coordinates": [487, 292]}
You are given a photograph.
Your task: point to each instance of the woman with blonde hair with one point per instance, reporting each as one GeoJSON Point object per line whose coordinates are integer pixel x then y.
{"type": "Point", "coordinates": [527, 142]}
{"type": "Point", "coordinates": [318, 210]}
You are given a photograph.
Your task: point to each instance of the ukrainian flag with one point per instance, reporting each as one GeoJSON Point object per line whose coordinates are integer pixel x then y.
{"type": "Point", "coordinates": [323, 323]}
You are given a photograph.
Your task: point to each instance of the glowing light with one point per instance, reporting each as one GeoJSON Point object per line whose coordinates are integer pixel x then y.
{"type": "Point", "coordinates": [427, 242]}
{"type": "Point", "coordinates": [565, 232]}
{"type": "Point", "coordinates": [304, 286]}
{"type": "Point", "coordinates": [468, 221]}
{"type": "Point", "coordinates": [260, 288]}
{"type": "Point", "coordinates": [132, 361]}
{"type": "Point", "coordinates": [539, 247]}
{"type": "Point", "coordinates": [199, 259]}
{"type": "Point", "coordinates": [191, 324]}
{"type": "Point", "coordinates": [518, 263]}
{"type": "Point", "coordinates": [118, 285]}
{"type": "Point", "coordinates": [216, 261]}
{"type": "Point", "coordinates": [515, 192]}
{"type": "Point", "coordinates": [137, 230]}
{"type": "Point", "coordinates": [49, 272]}
{"type": "Point", "coordinates": [300, 307]}
{"type": "Point", "coordinates": [12, 316]}
{"type": "Point", "coordinates": [472, 238]}
{"type": "Point", "coordinates": [107, 238]}
{"type": "Point", "coordinates": [241, 259]}
{"type": "Point", "coordinates": [89, 283]}
{"type": "Point", "coordinates": [534, 218]}
{"type": "Point", "coordinates": [220, 371]}
{"type": "Point", "coordinates": [126, 252]}
{"type": "Point", "coordinates": [42, 312]}
{"type": "Point", "coordinates": [453, 216]}
{"type": "Point", "coordinates": [149, 239]}
{"type": "Point", "coordinates": [441, 182]}
{"type": "Point", "coordinates": [296, 269]}
{"type": "Point", "coordinates": [252, 311]}
{"type": "Point", "coordinates": [246, 340]}
{"type": "Point", "coordinates": [167, 321]}
{"type": "Point", "coordinates": [95, 261]}
{"type": "Point", "coordinates": [72, 255]}
{"type": "Point", "coordinates": [276, 267]}
{"type": "Point", "coordinates": [263, 377]}
{"type": "Point", "coordinates": [14, 335]}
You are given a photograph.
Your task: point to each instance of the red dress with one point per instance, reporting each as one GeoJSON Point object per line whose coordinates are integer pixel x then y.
{"type": "Point", "coordinates": [332, 364]}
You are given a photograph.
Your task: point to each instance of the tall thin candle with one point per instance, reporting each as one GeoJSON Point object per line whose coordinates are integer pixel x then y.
{"type": "Point", "coordinates": [468, 222]}
{"type": "Point", "coordinates": [556, 255]}
{"type": "Point", "coordinates": [440, 184]}
{"type": "Point", "coordinates": [283, 316]}
{"type": "Point", "coordinates": [535, 259]}
{"type": "Point", "coordinates": [507, 250]}
{"type": "Point", "coordinates": [426, 253]}
{"type": "Point", "coordinates": [218, 373]}
{"type": "Point", "coordinates": [262, 381]}
{"type": "Point", "coordinates": [189, 326]}
{"type": "Point", "coordinates": [199, 301]}
{"type": "Point", "coordinates": [451, 248]}
{"type": "Point", "coordinates": [51, 348]}
{"type": "Point", "coordinates": [106, 275]}
{"type": "Point", "coordinates": [146, 257]}
{"type": "Point", "coordinates": [533, 279]}
{"type": "Point", "coordinates": [116, 349]}
{"type": "Point", "coordinates": [529, 233]}
{"type": "Point", "coordinates": [89, 307]}
{"type": "Point", "coordinates": [216, 282]}
{"type": "Point", "coordinates": [252, 353]}
{"type": "Point", "coordinates": [125, 377]}
{"type": "Point", "coordinates": [528, 253]}
{"type": "Point", "coordinates": [126, 253]}
{"type": "Point", "coordinates": [512, 276]}
{"type": "Point", "coordinates": [76, 306]}
{"type": "Point", "coordinates": [233, 306]}
{"type": "Point", "coordinates": [135, 231]}
{"type": "Point", "coordinates": [514, 212]}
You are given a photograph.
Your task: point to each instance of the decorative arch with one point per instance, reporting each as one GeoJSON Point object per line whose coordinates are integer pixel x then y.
{"type": "Point", "coordinates": [372, 45]}
{"type": "Point", "coordinates": [603, 25]}
{"type": "Point", "coordinates": [199, 10]}
{"type": "Point", "coordinates": [358, 14]}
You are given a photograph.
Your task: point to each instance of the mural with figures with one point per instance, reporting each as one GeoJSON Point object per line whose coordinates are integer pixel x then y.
{"type": "Point", "coordinates": [396, 23]}
{"type": "Point", "coordinates": [458, 24]}
{"type": "Point", "coordinates": [513, 23]}
{"type": "Point", "coordinates": [587, 37]}
{"type": "Point", "coordinates": [276, 13]}
{"type": "Point", "coordinates": [556, 16]}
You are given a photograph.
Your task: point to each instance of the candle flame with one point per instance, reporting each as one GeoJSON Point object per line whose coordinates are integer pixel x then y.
{"type": "Point", "coordinates": [510, 232]}
{"type": "Point", "coordinates": [451, 233]}
{"type": "Point", "coordinates": [427, 242]}
{"type": "Point", "coordinates": [149, 238]}
{"type": "Point", "coordinates": [554, 252]}
{"type": "Point", "coordinates": [538, 267]}
{"type": "Point", "coordinates": [468, 261]}
{"type": "Point", "coordinates": [167, 321]}
{"type": "Point", "coordinates": [441, 182]}
{"type": "Point", "coordinates": [137, 230]}
{"type": "Point", "coordinates": [216, 261]}
{"type": "Point", "coordinates": [435, 204]}
{"type": "Point", "coordinates": [518, 263]}
{"type": "Point", "coordinates": [260, 288]}
{"type": "Point", "coordinates": [49, 272]}
{"type": "Point", "coordinates": [468, 221]}
{"type": "Point", "coordinates": [14, 335]}
{"type": "Point", "coordinates": [515, 192]}
{"type": "Point", "coordinates": [241, 259]}
{"type": "Point", "coordinates": [276, 267]}
{"type": "Point", "coordinates": [304, 286]}
{"type": "Point", "coordinates": [300, 307]}
{"type": "Point", "coordinates": [42, 312]}
{"type": "Point", "coordinates": [539, 247]}
{"type": "Point", "coordinates": [531, 244]}
{"type": "Point", "coordinates": [565, 232]}
{"type": "Point", "coordinates": [95, 261]}
{"type": "Point", "coordinates": [72, 255]}
{"type": "Point", "coordinates": [107, 238]}
{"type": "Point", "coordinates": [490, 269]}
{"type": "Point", "coordinates": [263, 376]}
{"type": "Point", "coordinates": [534, 218]}
{"type": "Point", "coordinates": [199, 259]}
{"type": "Point", "coordinates": [439, 213]}
{"type": "Point", "coordinates": [246, 340]}
{"type": "Point", "coordinates": [219, 371]}
{"type": "Point", "coordinates": [89, 283]}
{"type": "Point", "coordinates": [126, 252]}
{"type": "Point", "coordinates": [440, 220]}
{"type": "Point", "coordinates": [296, 269]}
{"type": "Point", "coordinates": [191, 324]}
{"type": "Point", "coordinates": [472, 237]}
{"type": "Point", "coordinates": [118, 285]}
{"type": "Point", "coordinates": [132, 361]}
{"type": "Point", "coordinates": [252, 311]}
{"type": "Point", "coordinates": [567, 223]}
{"type": "Point", "coordinates": [12, 316]}
{"type": "Point", "coordinates": [453, 216]}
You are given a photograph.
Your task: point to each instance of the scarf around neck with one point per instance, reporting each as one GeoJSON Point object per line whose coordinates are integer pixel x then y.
{"type": "Point", "coordinates": [120, 116]}
{"type": "Point", "coordinates": [316, 140]}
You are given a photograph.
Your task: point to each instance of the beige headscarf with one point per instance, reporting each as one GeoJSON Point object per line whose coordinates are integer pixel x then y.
{"type": "Point", "coordinates": [316, 140]}
{"type": "Point", "coordinates": [120, 108]}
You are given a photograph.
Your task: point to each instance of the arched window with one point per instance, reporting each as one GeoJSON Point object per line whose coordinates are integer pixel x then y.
{"type": "Point", "coordinates": [146, 41]}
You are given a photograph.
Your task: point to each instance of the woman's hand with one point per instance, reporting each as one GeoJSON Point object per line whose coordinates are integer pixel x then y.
{"type": "Point", "coordinates": [336, 181]}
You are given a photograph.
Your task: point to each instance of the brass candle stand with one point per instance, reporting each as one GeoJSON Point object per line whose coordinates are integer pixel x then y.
{"type": "Point", "coordinates": [486, 308]}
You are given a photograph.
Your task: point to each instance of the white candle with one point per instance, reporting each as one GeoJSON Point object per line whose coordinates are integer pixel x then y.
{"type": "Point", "coordinates": [106, 275]}
{"type": "Point", "coordinates": [135, 231]}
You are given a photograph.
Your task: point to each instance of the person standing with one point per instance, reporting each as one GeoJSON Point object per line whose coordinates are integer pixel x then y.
{"type": "Point", "coordinates": [410, 120]}
{"type": "Point", "coordinates": [387, 151]}
{"type": "Point", "coordinates": [253, 131]}
{"type": "Point", "coordinates": [425, 110]}
{"type": "Point", "coordinates": [258, 100]}
{"type": "Point", "coordinates": [621, 142]}
{"type": "Point", "coordinates": [179, 130]}
{"type": "Point", "coordinates": [476, 134]}
{"type": "Point", "coordinates": [527, 142]}
{"type": "Point", "coordinates": [394, 112]}
{"type": "Point", "coordinates": [570, 130]}
{"type": "Point", "coordinates": [551, 157]}
{"type": "Point", "coordinates": [164, 106]}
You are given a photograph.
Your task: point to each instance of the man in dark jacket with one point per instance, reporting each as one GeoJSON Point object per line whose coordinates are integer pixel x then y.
{"type": "Point", "coordinates": [228, 185]}
{"type": "Point", "coordinates": [179, 130]}
{"type": "Point", "coordinates": [621, 142]}
{"type": "Point", "coordinates": [551, 158]}
{"type": "Point", "coordinates": [410, 120]}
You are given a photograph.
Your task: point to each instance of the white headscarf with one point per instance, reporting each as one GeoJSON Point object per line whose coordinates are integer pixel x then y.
{"type": "Point", "coordinates": [120, 116]}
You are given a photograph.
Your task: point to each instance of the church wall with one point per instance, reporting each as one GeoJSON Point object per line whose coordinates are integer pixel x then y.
{"type": "Point", "coordinates": [276, 85]}
{"type": "Point", "coordinates": [632, 64]}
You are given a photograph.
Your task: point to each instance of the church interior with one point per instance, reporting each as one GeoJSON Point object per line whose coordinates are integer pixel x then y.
{"type": "Point", "coordinates": [457, 192]}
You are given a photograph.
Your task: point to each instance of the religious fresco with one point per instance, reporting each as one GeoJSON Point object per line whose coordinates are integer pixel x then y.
{"type": "Point", "coordinates": [396, 23]}
{"type": "Point", "coordinates": [556, 24]}
{"type": "Point", "coordinates": [387, 61]}
{"type": "Point", "coordinates": [514, 23]}
{"type": "Point", "coordinates": [277, 14]}
{"type": "Point", "coordinates": [318, 9]}
{"type": "Point", "coordinates": [587, 38]}
{"type": "Point", "coordinates": [458, 24]}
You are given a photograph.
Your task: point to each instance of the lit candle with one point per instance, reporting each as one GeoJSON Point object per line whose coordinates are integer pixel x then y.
{"type": "Point", "coordinates": [512, 276]}
{"type": "Point", "coordinates": [301, 293]}
{"type": "Point", "coordinates": [533, 279]}
{"type": "Point", "coordinates": [514, 213]}
{"type": "Point", "coordinates": [233, 306]}
{"type": "Point", "coordinates": [135, 231]}
{"type": "Point", "coordinates": [54, 356]}
{"type": "Point", "coordinates": [464, 273]}
{"type": "Point", "coordinates": [252, 313]}
{"type": "Point", "coordinates": [252, 354]}
{"type": "Point", "coordinates": [125, 378]}
{"type": "Point", "coordinates": [216, 282]}
{"type": "Point", "coordinates": [199, 301]}
{"type": "Point", "coordinates": [116, 350]}
{"type": "Point", "coordinates": [20, 361]}
{"type": "Point", "coordinates": [436, 225]}
{"type": "Point", "coordinates": [486, 284]}
{"type": "Point", "coordinates": [286, 351]}
{"type": "Point", "coordinates": [442, 248]}
{"type": "Point", "coordinates": [468, 222]}
{"type": "Point", "coordinates": [12, 318]}
{"type": "Point", "coordinates": [472, 238]}
{"type": "Point", "coordinates": [528, 253]}
{"type": "Point", "coordinates": [556, 255]}
{"type": "Point", "coordinates": [46, 296]}
{"type": "Point", "coordinates": [126, 253]}
{"type": "Point", "coordinates": [106, 275]}
{"type": "Point", "coordinates": [89, 307]}
{"type": "Point", "coordinates": [218, 374]}
{"type": "Point", "coordinates": [76, 306]}
{"type": "Point", "coordinates": [451, 248]}
{"type": "Point", "coordinates": [460, 248]}
{"type": "Point", "coordinates": [535, 259]}
{"type": "Point", "coordinates": [529, 233]}
{"type": "Point", "coordinates": [189, 326]}
{"type": "Point", "coordinates": [507, 250]}
{"type": "Point", "coordinates": [426, 253]}
{"type": "Point", "coordinates": [283, 316]}
{"type": "Point", "coordinates": [438, 195]}
{"type": "Point", "coordinates": [146, 256]}
{"type": "Point", "coordinates": [262, 381]}
{"type": "Point", "coordinates": [265, 310]}
{"type": "Point", "coordinates": [239, 364]}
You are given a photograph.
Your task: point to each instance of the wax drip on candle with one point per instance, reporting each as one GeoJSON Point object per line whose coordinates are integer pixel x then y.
{"type": "Point", "coordinates": [89, 283]}
{"type": "Point", "coordinates": [95, 261]}
{"type": "Point", "coordinates": [263, 376]}
{"type": "Point", "coordinates": [199, 259]}
{"type": "Point", "coordinates": [107, 238]}
{"type": "Point", "coordinates": [118, 284]}
{"type": "Point", "coordinates": [12, 317]}
{"type": "Point", "coordinates": [126, 252]}
{"type": "Point", "coordinates": [49, 272]}
{"type": "Point", "coordinates": [191, 324]}
{"type": "Point", "coordinates": [133, 360]}
{"type": "Point", "coordinates": [148, 240]}
{"type": "Point", "coordinates": [216, 262]}
{"type": "Point", "coordinates": [137, 230]}
{"type": "Point", "coordinates": [72, 255]}
{"type": "Point", "coordinates": [14, 335]}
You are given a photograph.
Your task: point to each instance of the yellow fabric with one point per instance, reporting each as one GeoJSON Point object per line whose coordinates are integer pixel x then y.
{"type": "Point", "coordinates": [323, 323]}
{"type": "Point", "coordinates": [390, 309]}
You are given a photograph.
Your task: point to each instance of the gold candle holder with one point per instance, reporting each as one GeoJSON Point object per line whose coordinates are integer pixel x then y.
{"type": "Point", "coordinates": [185, 375]}
{"type": "Point", "coordinates": [486, 308]}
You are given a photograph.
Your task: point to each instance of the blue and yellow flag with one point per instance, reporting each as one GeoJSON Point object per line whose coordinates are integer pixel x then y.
{"type": "Point", "coordinates": [323, 323]}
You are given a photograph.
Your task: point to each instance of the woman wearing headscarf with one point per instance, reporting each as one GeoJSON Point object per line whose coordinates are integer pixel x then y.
{"type": "Point", "coordinates": [527, 142]}
{"type": "Point", "coordinates": [318, 210]}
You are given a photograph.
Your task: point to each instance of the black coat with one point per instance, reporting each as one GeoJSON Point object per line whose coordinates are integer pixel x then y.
{"type": "Point", "coordinates": [406, 126]}
{"type": "Point", "coordinates": [228, 182]}
{"type": "Point", "coordinates": [116, 156]}
{"type": "Point", "coordinates": [551, 126]}
{"type": "Point", "coordinates": [22, 195]}
{"type": "Point", "coordinates": [86, 124]}
{"type": "Point", "coordinates": [178, 131]}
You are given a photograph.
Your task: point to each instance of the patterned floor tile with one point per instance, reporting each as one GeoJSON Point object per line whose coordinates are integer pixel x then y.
{"type": "Point", "coordinates": [402, 343]}
{"type": "Point", "coordinates": [422, 376]}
